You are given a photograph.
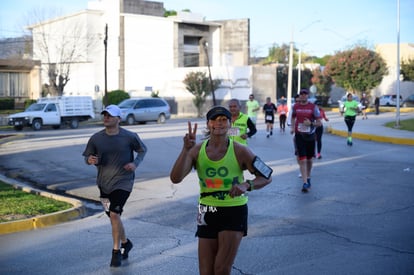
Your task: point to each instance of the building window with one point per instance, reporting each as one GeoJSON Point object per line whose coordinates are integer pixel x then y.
{"type": "Point", "coordinates": [14, 84]}
{"type": "Point", "coordinates": [191, 60]}
{"type": "Point", "coordinates": [191, 51]}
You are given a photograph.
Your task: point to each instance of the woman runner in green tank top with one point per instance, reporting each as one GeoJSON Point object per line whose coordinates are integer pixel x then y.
{"type": "Point", "coordinates": [222, 210]}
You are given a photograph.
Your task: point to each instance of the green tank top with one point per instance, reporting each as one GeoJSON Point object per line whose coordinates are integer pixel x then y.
{"type": "Point", "coordinates": [238, 128]}
{"type": "Point", "coordinates": [217, 177]}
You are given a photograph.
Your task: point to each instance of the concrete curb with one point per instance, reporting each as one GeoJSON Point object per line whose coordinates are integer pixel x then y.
{"type": "Point", "coordinates": [78, 210]}
{"type": "Point", "coordinates": [394, 140]}
{"type": "Point", "coordinates": [10, 137]}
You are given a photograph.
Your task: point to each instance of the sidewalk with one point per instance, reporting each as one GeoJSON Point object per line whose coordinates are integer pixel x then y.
{"type": "Point", "coordinates": [372, 128]}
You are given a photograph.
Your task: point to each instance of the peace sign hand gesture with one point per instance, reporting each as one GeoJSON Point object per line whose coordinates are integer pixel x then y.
{"type": "Point", "coordinates": [190, 137]}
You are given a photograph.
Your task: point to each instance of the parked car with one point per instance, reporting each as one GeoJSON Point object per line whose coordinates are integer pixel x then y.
{"type": "Point", "coordinates": [409, 101]}
{"type": "Point", "coordinates": [390, 100]}
{"type": "Point", "coordinates": [343, 99]}
{"type": "Point", "coordinates": [142, 110]}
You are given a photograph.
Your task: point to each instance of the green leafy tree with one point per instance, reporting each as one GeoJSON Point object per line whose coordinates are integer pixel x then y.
{"type": "Point", "coordinates": [278, 54]}
{"type": "Point", "coordinates": [357, 70]}
{"type": "Point", "coordinates": [305, 79]}
{"type": "Point", "coordinates": [407, 70]}
{"type": "Point", "coordinates": [198, 84]}
{"type": "Point", "coordinates": [322, 82]}
{"type": "Point", "coordinates": [322, 60]}
{"type": "Point", "coordinates": [155, 93]}
{"type": "Point", "coordinates": [173, 12]}
{"type": "Point", "coordinates": [169, 13]}
{"type": "Point", "coordinates": [116, 96]}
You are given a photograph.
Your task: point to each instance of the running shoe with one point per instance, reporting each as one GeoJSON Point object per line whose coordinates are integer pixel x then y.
{"type": "Point", "coordinates": [125, 248]}
{"type": "Point", "coordinates": [305, 187]}
{"type": "Point", "coordinates": [116, 258]}
{"type": "Point", "coordinates": [319, 156]}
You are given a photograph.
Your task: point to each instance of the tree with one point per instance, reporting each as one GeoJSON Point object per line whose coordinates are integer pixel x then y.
{"type": "Point", "coordinates": [407, 70]}
{"type": "Point", "coordinates": [322, 60]}
{"type": "Point", "coordinates": [357, 70]}
{"type": "Point", "coordinates": [59, 45]}
{"type": "Point", "coordinates": [278, 54]}
{"type": "Point", "coordinates": [323, 85]}
{"type": "Point", "coordinates": [198, 84]}
{"type": "Point", "coordinates": [169, 13]}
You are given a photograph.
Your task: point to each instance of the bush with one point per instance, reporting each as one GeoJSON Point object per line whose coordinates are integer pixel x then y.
{"type": "Point", "coordinates": [7, 104]}
{"type": "Point", "coordinates": [116, 96]}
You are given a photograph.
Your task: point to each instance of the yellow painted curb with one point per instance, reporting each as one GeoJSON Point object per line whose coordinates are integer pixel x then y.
{"type": "Point", "coordinates": [383, 109]}
{"type": "Point", "coordinates": [78, 210]}
{"type": "Point", "coordinates": [394, 140]}
{"type": "Point", "coordinates": [10, 137]}
{"type": "Point", "coordinates": [42, 221]}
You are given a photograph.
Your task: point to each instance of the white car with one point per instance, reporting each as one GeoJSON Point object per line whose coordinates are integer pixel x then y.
{"type": "Point", "coordinates": [390, 100]}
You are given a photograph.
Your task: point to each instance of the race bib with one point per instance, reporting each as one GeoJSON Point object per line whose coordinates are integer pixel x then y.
{"type": "Point", "coordinates": [234, 131]}
{"type": "Point", "coordinates": [269, 117]}
{"type": "Point", "coordinates": [304, 128]}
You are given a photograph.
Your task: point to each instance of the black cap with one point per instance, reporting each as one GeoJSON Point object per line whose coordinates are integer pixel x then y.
{"type": "Point", "coordinates": [218, 111]}
{"type": "Point", "coordinates": [304, 91]}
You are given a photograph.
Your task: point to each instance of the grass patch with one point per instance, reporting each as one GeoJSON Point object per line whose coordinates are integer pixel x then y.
{"type": "Point", "coordinates": [16, 204]}
{"type": "Point", "coordinates": [407, 124]}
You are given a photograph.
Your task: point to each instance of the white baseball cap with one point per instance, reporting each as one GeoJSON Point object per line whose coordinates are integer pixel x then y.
{"type": "Point", "coordinates": [112, 110]}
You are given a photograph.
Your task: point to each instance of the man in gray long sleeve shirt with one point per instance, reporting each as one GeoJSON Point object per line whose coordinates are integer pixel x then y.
{"type": "Point", "coordinates": [112, 151]}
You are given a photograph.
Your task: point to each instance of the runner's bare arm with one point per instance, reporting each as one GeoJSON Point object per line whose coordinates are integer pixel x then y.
{"type": "Point", "coordinates": [185, 160]}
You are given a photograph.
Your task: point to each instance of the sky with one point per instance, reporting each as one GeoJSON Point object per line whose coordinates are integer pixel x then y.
{"type": "Point", "coordinates": [317, 27]}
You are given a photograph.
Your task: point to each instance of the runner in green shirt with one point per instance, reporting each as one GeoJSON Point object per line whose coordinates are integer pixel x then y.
{"type": "Point", "coordinates": [252, 106]}
{"type": "Point", "coordinates": [350, 111]}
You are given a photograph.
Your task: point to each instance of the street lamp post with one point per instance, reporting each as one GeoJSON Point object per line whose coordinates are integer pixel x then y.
{"type": "Point", "coordinates": [300, 53]}
{"type": "Point", "coordinates": [105, 101]}
{"type": "Point", "coordinates": [209, 73]}
{"type": "Point", "coordinates": [289, 92]}
{"type": "Point", "coordinates": [299, 68]}
{"type": "Point", "coordinates": [397, 118]}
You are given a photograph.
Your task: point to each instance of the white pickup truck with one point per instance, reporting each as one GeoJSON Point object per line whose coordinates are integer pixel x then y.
{"type": "Point", "coordinates": [55, 112]}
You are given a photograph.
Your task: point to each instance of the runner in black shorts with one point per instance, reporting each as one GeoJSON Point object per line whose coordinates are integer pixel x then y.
{"type": "Point", "coordinates": [211, 220]}
{"type": "Point", "coordinates": [115, 201]}
{"type": "Point", "coordinates": [269, 110]}
{"type": "Point", "coordinates": [220, 162]}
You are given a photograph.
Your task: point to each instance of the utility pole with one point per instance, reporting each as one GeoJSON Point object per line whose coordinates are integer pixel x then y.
{"type": "Point", "coordinates": [397, 118]}
{"type": "Point", "coordinates": [209, 73]}
{"type": "Point", "coordinates": [289, 91]}
{"type": "Point", "coordinates": [299, 69]}
{"type": "Point", "coordinates": [105, 99]}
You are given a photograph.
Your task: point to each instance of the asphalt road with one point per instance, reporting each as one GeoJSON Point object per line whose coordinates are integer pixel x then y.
{"type": "Point", "coordinates": [357, 219]}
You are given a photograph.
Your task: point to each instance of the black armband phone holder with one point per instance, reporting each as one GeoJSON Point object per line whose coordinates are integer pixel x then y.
{"type": "Point", "coordinates": [262, 168]}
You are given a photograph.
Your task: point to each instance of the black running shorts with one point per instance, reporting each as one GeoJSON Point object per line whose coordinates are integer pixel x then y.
{"type": "Point", "coordinates": [211, 220]}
